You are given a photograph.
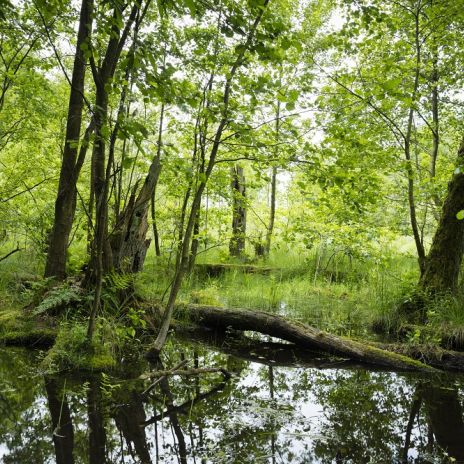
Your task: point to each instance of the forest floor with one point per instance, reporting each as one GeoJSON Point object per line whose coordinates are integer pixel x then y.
{"type": "Point", "coordinates": [339, 296]}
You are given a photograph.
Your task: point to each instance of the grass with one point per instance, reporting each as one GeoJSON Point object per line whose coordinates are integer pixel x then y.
{"type": "Point", "coordinates": [329, 291]}
{"type": "Point", "coordinates": [319, 287]}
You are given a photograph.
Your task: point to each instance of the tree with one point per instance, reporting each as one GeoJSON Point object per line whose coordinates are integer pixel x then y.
{"type": "Point", "coordinates": [237, 241]}
{"type": "Point", "coordinates": [443, 263]}
{"type": "Point", "coordinates": [73, 159]}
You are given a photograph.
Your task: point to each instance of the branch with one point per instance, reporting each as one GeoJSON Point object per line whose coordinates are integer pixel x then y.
{"type": "Point", "coordinates": [28, 189]}
{"type": "Point", "coordinates": [10, 253]}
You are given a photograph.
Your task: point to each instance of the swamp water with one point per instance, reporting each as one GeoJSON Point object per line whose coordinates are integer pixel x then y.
{"type": "Point", "coordinates": [272, 410]}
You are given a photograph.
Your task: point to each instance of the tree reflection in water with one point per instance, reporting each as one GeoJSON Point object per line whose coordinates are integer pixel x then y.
{"type": "Point", "coordinates": [264, 413]}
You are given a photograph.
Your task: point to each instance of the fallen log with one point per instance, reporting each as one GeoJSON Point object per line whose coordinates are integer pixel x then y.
{"type": "Point", "coordinates": [302, 335]}
{"type": "Point", "coordinates": [216, 269]}
{"type": "Point", "coordinates": [274, 354]}
{"type": "Point", "coordinates": [432, 355]}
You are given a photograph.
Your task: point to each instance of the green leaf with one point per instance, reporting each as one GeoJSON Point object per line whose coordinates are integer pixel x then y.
{"type": "Point", "coordinates": [460, 215]}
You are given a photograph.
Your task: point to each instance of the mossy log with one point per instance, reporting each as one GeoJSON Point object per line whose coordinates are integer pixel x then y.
{"type": "Point", "coordinates": [302, 335]}
{"type": "Point", "coordinates": [217, 269]}
{"type": "Point", "coordinates": [429, 354]}
{"type": "Point", "coordinates": [274, 354]}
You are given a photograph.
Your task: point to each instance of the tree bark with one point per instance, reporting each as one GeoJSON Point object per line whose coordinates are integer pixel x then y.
{"type": "Point", "coordinates": [129, 242]}
{"type": "Point", "coordinates": [407, 151]}
{"type": "Point", "coordinates": [156, 240]}
{"type": "Point", "coordinates": [443, 262]}
{"type": "Point", "coordinates": [101, 258]}
{"type": "Point", "coordinates": [237, 241]}
{"type": "Point", "coordinates": [270, 227]}
{"type": "Point", "coordinates": [65, 203]}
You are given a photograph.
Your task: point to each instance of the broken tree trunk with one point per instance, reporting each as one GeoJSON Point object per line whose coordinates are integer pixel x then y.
{"type": "Point", "coordinates": [302, 335]}
{"type": "Point", "coordinates": [216, 269]}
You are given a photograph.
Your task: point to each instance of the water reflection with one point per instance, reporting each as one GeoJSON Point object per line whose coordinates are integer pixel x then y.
{"type": "Point", "coordinates": [265, 414]}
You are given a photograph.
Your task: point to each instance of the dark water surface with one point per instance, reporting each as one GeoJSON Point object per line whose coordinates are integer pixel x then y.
{"type": "Point", "coordinates": [271, 411]}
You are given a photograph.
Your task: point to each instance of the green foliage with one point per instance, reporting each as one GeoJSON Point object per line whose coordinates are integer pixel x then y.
{"type": "Point", "coordinates": [73, 350]}
{"type": "Point", "coordinates": [65, 296]}
{"type": "Point", "coordinates": [117, 292]}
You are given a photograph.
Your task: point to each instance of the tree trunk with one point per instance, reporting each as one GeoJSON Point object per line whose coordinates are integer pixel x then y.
{"type": "Point", "coordinates": [182, 265]}
{"type": "Point", "coordinates": [101, 259]}
{"type": "Point", "coordinates": [407, 151]}
{"type": "Point", "coordinates": [129, 243]}
{"type": "Point", "coordinates": [63, 431]}
{"type": "Point", "coordinates": [65, 203]}
{"type": "Point", "coordinates": [270, 227]}
{"type": "Point", "coordinates": [443, 262]}
{"type": "Point", "coordinates": [154, 225]}
{"type": "Point", "coordinates": [237, 241]}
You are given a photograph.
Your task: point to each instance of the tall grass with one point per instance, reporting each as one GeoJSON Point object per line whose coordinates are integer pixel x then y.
{"type": "Point", "coordinates": [16, 272]}
{"type": "Point", "coordinates": [319, 287]}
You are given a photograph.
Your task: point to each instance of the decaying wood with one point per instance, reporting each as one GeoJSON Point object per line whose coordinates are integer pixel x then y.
{"type": "Point", "coordinates": [431, 355]}
{"type": "Point", "coordinates": [216, 269]}
{"type": "Point", "coordinates": [275, 354]}
{"type": "Point", "coordinates": [302, 335]}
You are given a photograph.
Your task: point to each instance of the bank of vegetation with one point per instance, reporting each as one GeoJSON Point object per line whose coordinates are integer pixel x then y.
{"type": "Point", "coordinates": [299, 160]}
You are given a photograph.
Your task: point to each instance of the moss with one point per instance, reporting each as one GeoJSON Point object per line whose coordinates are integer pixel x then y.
{"type": "Point", "coordinates": [98, 362]}
{"type": "Point", "coordinates": [73, 351]}
{"type": "Point", "coordinates": [17, 328]}
{"type": "Point", "coordinates": [400, 358]}
{"type": "Point", "coordinates": [29, 337]}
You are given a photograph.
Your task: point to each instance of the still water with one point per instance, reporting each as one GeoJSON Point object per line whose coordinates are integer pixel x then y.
{"type": "Point", "coordinates": [273, 409]}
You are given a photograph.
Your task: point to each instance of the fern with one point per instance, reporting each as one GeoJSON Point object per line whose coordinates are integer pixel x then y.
{"type": "Point", "coordinates": [58, 297]}
{"type": "Point", "coordinates": [117, 290]}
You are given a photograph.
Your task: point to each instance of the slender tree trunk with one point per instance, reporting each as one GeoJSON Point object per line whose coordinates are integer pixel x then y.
{"type": "Point", "coordinates": [65, 203]}
{"type": "Point", "coordinates": [182, 266]}
{"type": "Point", "coordinates": [237, 241]}
{"type": "Point", "coordinates": [407, 153]}
{"type": "Point", "coordinates": [101, 260]}
{"type": "Point", "coordinates": [270, 227]}
{"type": "Point", "coordinates": [155, 227]}
{"type": "Point", "coordinates": [101, 207]}
{"type": "Point", "coordinates": [195, 243]}
{"type": "Point", "coordinates": [443, 262]}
